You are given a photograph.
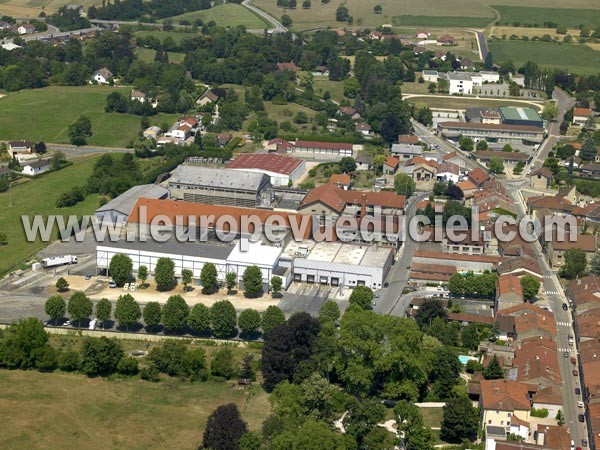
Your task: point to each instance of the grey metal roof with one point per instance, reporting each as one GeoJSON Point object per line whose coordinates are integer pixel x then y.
{"type": "Point", "coordinates": [459, 76]}
{"type": "Point", "coordinates": [407, 148]}
{"type": "Point", "coordinates": [125, 202]}
{"type": "Point", "coordinates": [430, 72]}
{"type": "Point", "coordinates": [222, 178]}
{"type": "Point", "coordinates": [210, 249]}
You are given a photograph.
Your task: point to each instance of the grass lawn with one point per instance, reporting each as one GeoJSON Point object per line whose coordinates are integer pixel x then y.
{"type": "Point", "coordinates": [228, 15]}
{"type": "Point", "coordinates": [38, 196]}
{"type": "Point", "coordinates": [147, 55]}
{"type": "Point", "coordinates": [335, 88]}
{"type": "Point", "coordinates": [463, 102]}
{"type": "Point", "coordinates": [526, 15]}
{"type": "Point", "coordinates": [58, 410]}
{"type": "Point", "coordinates": [579, 59]}
{"type": "Point", "coordinates": [432, 417]}
{"type": "Point", "coordinates": [281, 113]}
{"type": "Point", "coordinates": [442, 21]}
{"type": "Point", "coordinates": [60, 106]}
{"type": "Point", "coordinates": [177, 36]}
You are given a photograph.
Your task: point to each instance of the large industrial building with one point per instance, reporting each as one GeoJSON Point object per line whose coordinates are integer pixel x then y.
{"type": "Point", "coordinates": [119, 208]}
{"type": "Point", "coordinates": [219, 186]}
{"type": "Point", "coordinates": [282, 170]}
{"type": "Point", "coordinates": [502, 133]}
{"type": "Point", "coordinates": [521, 116]}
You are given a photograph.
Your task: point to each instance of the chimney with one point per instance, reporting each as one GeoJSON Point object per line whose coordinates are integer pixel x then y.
{"type": "Point", "coordinates": [363, 206]}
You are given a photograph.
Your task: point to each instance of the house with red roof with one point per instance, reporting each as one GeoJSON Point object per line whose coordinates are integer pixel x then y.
{"type": "Point", "coordinates": [390, 165]}
{"type": "Point", "coordinates": [282, 170]}
{"type": "Point", "coordinates": [582, 116]}
{"type": "Point", "coordinates": [446, 39]}
{"type": "Point", "coordinates": [508, 292]}
{"type": "Point", "coordinates": [341, 180]}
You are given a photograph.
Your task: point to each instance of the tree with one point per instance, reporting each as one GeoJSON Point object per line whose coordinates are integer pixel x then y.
{"type": "Point", "coordinates": [223, 318]}
{"type": "Point", "coordinates": [230, 281]}
{"type": "Point", "coordinates": [514, 90]}
{"type": "Point", "coordinates": [252, 280]}
{"type": "Point", "coordinates": [175, 313]}
{"type": "Point", "coordinates": [271, 318]}
{"type": "Point", "coordinates": [489, 61]}
{"type": "Point", "coordinates": [221, 364]}
{"type": "Point", "coordinates": [249, 321]}
{"type": "Point", "coordinates": [120, 268]}
{"type": "Point", "coordinates": [46, 359]}
{"type": "Point", "coordinates": [595, 263]}
{"type": "Point", "coordinates": [199, 318]}
{"type": "Point", "coordinates": [103, 310]}
{"type": "Point", "coordinates": [588, 149]}
{"type": "Point", "coordinates": [508, 148]}
{"type": "Point", "coordinates": [377, 9]}
{"type": "Point", "coordinates": [341, 14]}
{"type": "Point", "coordinates": [68, 360]}
{"type": "Point", "coordinates": [276, 285]}
{"type": "Point", "coordinates": [169, 358]}
{"type": "Point", "coordinates": [428, 311]}
{"type": "Point", "coordinates": [164, 274]}
{"type": "Point", "coordinates": [128, 366]}
{"type": "Point", "coordinates": [361, 296]}
{"type": "Point", "coordinates": [466, 143]}
{"type": "Point", "coordinates": [62, 285]}
{"type": "Point", "coordinates": [80, 130]}
{"type": "Point", "coordinates": [460, 420]}
{"type": "Point", "coordinates": [470, 336]}
{"type": "Point", "coordinates": [100, 356]}
{"type": "Point", "coordinates": [127, 311]}
{"type": "Point", "coordinates": [454, 192]}
{"type": "Point", "coordinates": [186, 278]}
{"type": "Point", "coordinates": [482, 145]}
{"type": "Point", "coordinates": [347, 164]}
{"type": "Point", "coordinates": [306, 4]}
{"type": "Point", "coordinates": [55, 307]}
{"type": "Point", "coordinates": [560, 418]}
{"type": "Point", "coordinates": [550, 111]}
{"type": "Point", "coordinates": [21, 343]}
{"type": "Point", "coordinates": [530, 286]}
{"type": "Point", "coordinates": [404, 185]}
{"type": "Point", "coordinates": [329, 310]}
{"type": "Point", "coordinates": [286, 21]}
{"type": "Point", "coordinates": [224, 429]}
{"type": "Point", "coordinates": [79, 307]}
{"type": "Point", "coordinates": [143, 274]}
{"type": "Point", "coordinates": [40, 147]}
{"type": "Point", "coordinates": [362, 418]}
{"type": "Point", "coordinates": [494, 370]}
{"type": "Point", "coordinates": [575, 264]}
{"type": "Point", "coordinates": [351, 87]}
{"type": "Point", "coordinates": [432, 88]}
{"type": "Point", "coordinates": [496, 165]}
{"type": "Point", "coordinates": [208, 278]}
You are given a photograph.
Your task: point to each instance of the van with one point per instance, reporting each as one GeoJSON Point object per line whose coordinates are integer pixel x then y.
{"type": "Point", "coordinates": [93, 324]}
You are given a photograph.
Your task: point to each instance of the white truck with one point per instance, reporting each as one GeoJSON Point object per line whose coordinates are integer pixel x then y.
{"type": "Point", "coordinates": [59, 261]}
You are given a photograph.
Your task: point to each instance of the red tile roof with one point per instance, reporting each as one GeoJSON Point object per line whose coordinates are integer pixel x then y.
{"type": "Point", "coordinates": [456, 256]}
{"type": "Point", "coordinates": [392, 161]}
{"type": "Point", "coordinates": [504, 395]}
{"type": "Point", "coordinates": [266, 161]}
{"type": "Point", "coordinates": [536, 358]}
{"type": "Point", "coordinates": [340, 178]}
{"type": "Point", "coordinates": [509, 284]}
{"type": "Point", "coordinates": [337, 199]}
{"type": "Point", "coordinates": [408, 139]}
{"type": "Point", "coordinates": [582, 112]}
{"type": "Point", "coordinates": [478, 176]}
{"type": "Point", "coordinates": [324, 145]}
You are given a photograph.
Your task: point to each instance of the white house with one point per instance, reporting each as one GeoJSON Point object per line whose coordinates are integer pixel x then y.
{"type": "Point", "coordinates": [26, 28]}
{"type": "Point", "coordinates": [490, 77]}
{"type": "Point", "coordinates": [36, 167]}
{"type": "Point", "coordinates": [459, 83]}
{"type": "Point", "coordinates": [137, 96]}
{"type": "Point", "coordinates": [422, 35]}
{"type": "Point", "coordinates": [102, 76]}
{"type": "Point", "coordinates": [430, 76]}
{"type": "Point", "coordinates": [581, 116]}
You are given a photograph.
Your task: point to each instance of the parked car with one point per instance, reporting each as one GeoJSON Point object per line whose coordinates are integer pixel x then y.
{"type": "Point", "coordinates": [581, 418]}
{"type": "Point", "coordinates": [112, 284]}
{"type": "Point", "coordinates": [93, 324]}
{"type": "Point", "coordinates": [67, 323]}
{"type": "Point", "coordinates": [580, 404]}
{"type": "Point", "coordinates": [577, 391]}
{"type": "Point", "coordinates": [584, 442]}
{"type": "Point", "coordinates": [133, 287]}
{"type": "Point", "coordinates": [566, 354]}
{"type": "Point", "coordinates": [565, 306]}
{"type": "Point", "coordinates": [88, 276]}
{"type": "Point", "coordinates": [573, 360]}
{"type": "Point", "coordinates": [126, 287]}
{"type": "Point", "coordinates": [575, 372]}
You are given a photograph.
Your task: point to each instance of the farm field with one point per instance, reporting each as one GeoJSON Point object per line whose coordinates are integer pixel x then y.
{"type": "Point", "coordinates": [562, 16]}
{"type": "Point", "coordinates": [456, 102]}
{"type": "Point", "coordinates": [32, 8]}
{"type": "Point", "coordinates": [73, 411]}
{"type": "Point", "coordinates": [579, 59]}
{"type": "Point", "coordinates": [60, 106]}
{"type": "Point", "coordinates": [529, 32]}
{"type": "Point", "coordinates": [442, 21]}
{"type": "Point", "coordinates": [38, 196]}
{"type": "Point", "coordinates": [228, 15]}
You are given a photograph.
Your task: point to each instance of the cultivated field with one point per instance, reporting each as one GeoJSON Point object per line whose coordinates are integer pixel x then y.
{"type": "Point", "coordinates": [529, 32]}
{"type": "Point", "coordinates": [442, 21]}
{"type": "Point", "coordinates": [32, 8]}
{"type": "Point", "coordinates": [575, 58]}
{"type": "Point", "coordinates": [58, 410]}
{"type": "Point", "coordinates": [39, 196]}
{"type": "Point", "coordinates": [228, 15]}
{"type": "Point", "coordinates": [524, 15]}
{"type": "Point", "coordinates": [59, 106]}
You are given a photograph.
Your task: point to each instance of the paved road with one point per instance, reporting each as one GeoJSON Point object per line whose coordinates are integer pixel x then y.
{"type": "Point", "coordinates": [556, 298]}
{"type": "Point", "coordinates": [72, 151]}
{"type": "Point", "coordinates": [278, 27]}
{"type": "Point", "coordinates": [564, 102]}
{"type": "Point", "coordinates": [483, 47]}
{"type": "Point", "coordinates": [392, 301]}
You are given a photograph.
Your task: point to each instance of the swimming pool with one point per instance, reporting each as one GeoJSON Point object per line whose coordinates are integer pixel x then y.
{"type": "Point", "coordinates": [465, 358]}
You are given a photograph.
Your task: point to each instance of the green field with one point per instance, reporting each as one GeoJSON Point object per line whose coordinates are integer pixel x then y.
{"type": "Point", "coordinates": [228, 15]}
{"type": "Point", "coordinates": [39, 196]}
{"type": "Point", "coordinates": [177, 36]}
{"type": "Point", "coordinates": [562, 16]}
{"type": "Point", "coordinates": [442, 21]}
{"type": "Point", "coordinates": [579, 59]}
{"type": "Point", "coordinates": [58, 410]}
{"type": "Point", "coordinates": [59, 106]}
{"type": "Point", "coordinates": [147, 55]}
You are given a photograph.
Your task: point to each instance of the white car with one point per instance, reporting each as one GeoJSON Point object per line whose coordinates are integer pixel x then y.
{"type": "Point", "coordinates": [580, 404]}
{"type": "Point", "coordinates": [93, 324]}
{"type": "Point", "coordinates": [126, 287]}
{"type": "Point", "coordinates": [132, 287]}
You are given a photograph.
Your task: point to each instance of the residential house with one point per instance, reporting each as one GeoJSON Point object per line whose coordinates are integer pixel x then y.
{"type": "Point", "coordinates": [509, 159]}
{"type": "Point", "coordinates": [282, 170]}
{"type": "Point", "coordinates": [26, 28]}
{"type": "Point", "coordinates": [422, 35]}
{"type": "Point", "coordinates": [453, 158]}
{"type": "Point", "coordinates": [478, 176]}
{"type": "Point", "coordinates": [408, 139]}
{"type": "Point", "coordinates": [418, 50]}
{"type": "Point", "coordinates": [556, 248]}
{"type": "Point", "coordinates": [508, 292]}
{"type": "Point", "coordinates": [447, 171]}
{"type": "Point", "coordinates": [36, 167]}
{"type": "Point", "coordinates": [461, 261]}
{"type": "Point", "coordinates": [468, 188]}
{"type": "Point", "coordinates": [279, 146]}
{"type": "Point", "coordinates": [137, 96]}
{"type": "Point", "coordinates": [582, 116]}
{"type": "Point", "coordinates": [588, 323]}
{"type": "Point", "coordinates": [102, 76]}
{"type": "Point", "coordinates": [571, 194]}
{"type": "Point", "coordinates": [375, 36]}
{"type": "Point", "coordinates": [350, 112]}
{"type": "Point", "coordinates": [553, 437]}
{"type": "Point", "coordinates": [536, 363]}
{"type": "Point", "coordinates": [459, 83]}
{"type": "Point", "coordinates": [584, 293]}
{"type": "Point", "coordinates": [527, 321]}
{"type": "Point", "coordinates": [592, 170]}
{"type": "Point", "coordinates": [446, 39]}
{"type": "Point", "coordinates": [430, 76]}
{"type": "Point", "coordinates": [152, 132]}
{"type": "Point", "coordinates": [341, 180]}
{"type": "Point", "coordinates": [501, 400]}
{"type": "Point", "coordinates": [4, 26]}
{"type": "Point", "coordinates": [466, 64]}
{"type": "Point", "coordinates": [287, 67]}
{"type": "Point", "coordinates": [421, 169]}
{"type": "Point", "coordinates": [390, 165]}
{"type": "Point", "coordinates": [211, 96]}
{"type": "Point", "coordinates": [223, 139]}
{"type": "Point", "coordinates": [406, 151]}
{"type": "Point", "coordinates": [364, 128]}
{"type": "Point", "coordinates": [541, 178]}
{"type": "Point", "coordinates": [364, 162]}
{"type": "Point", "coordinates": [518, 79]}
{"type": "Point", "coordinates": [320, 71]}
{"type": "Point", "coordinates": [520, 266]}
{"type": "Point", "coordinates": [19, 147]}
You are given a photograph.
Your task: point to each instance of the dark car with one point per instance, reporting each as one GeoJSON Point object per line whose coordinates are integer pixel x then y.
{"type": "Point", "coordinates": [581, 418]}
{"type": "Point", "coordinates": [577, 391]}
{"type": "Point", "coordinates": [564, 307]}
{"type": "Point", "coordinates": [88, 276]}
{"type": "Point", "coordinates": [575, 372]}
{"type": "Point", "coordinates": [584, 442]}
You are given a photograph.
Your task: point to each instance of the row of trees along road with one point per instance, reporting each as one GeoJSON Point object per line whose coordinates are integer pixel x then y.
{"type": "Point", "coordinates": [220, 319]}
